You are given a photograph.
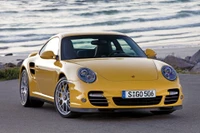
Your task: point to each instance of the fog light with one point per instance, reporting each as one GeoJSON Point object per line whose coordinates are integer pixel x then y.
{"type": "Point", "coordinates": [173, 93]}
{"type": "Point", "coordinates": [181, 97]}
{"type": "Point", "coordinates": [83, 100]}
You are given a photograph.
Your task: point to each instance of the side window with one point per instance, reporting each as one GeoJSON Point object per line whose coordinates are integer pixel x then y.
{"type": "Point", "coordinates": [113, 46]}
{"type": "Point", "coordinates": [51, 45]}
{"type": "Point", "coordinates": [125, 47]}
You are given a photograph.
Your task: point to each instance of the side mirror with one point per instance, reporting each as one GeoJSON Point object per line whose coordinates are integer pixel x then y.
{"type": "Point", "coordinates": [32, 54]}
{"type": "Point", "coordinates": [150, 53]}
{"type": "Point", "coordinates": [48, 55]}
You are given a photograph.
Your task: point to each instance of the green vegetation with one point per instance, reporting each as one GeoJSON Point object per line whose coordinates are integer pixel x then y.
{"type": "Point", "coordinates": [9, 73]}
{"type": "Point", "coordinates": [178, 70]}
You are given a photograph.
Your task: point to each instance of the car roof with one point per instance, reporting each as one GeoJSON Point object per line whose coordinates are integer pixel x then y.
{"type": "Point", "coordinates": [68, 34]}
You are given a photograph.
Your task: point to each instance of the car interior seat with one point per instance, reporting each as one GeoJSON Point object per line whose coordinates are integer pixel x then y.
{"type": "Point", "coordinates": [102, 50]}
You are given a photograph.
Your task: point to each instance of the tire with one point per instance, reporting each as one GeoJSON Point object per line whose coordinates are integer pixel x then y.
{"type": "Point", "coordinates": [162, 112]}
{"type": "Point", "coordinates": [25, 98]}
{"type": "Point", "coordinates": [62, 99]}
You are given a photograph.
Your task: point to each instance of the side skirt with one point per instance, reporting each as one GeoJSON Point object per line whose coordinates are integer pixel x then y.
{"type": "Point", "coordinates": [43, 100]}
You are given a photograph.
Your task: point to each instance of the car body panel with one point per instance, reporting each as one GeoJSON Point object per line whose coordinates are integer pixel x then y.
{"type": "Point", "coordinates": [111, 68]}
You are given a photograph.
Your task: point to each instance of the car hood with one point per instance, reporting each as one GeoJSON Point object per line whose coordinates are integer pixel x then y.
{"type": "Point", "coordinates": [121, 69]}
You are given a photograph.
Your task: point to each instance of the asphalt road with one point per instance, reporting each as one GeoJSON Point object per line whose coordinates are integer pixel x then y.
{"type": "Point", "coordinates": [16, 119]}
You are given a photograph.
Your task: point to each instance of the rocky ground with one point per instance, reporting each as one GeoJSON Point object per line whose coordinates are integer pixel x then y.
{"type": "Point", "coordinates": [189, 64]}
{"type": "Point", "coordinates": [11, 64]}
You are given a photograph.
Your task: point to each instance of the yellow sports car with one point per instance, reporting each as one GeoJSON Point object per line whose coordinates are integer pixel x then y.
{"type": "Point", "coordinates": [96, 72]}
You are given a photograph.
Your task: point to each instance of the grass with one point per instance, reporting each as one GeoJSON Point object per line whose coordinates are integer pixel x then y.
{"type": "Point", "coordinates": [178, 70]}
{"type": "Point", "coordinates": [9, 73]}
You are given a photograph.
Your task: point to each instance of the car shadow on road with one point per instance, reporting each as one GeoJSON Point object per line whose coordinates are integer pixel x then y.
{"type": "Point", "coordinates": [111, 115]}
{"type": "Point", "coordinates": [48, 106]}
{"type": "Point", "coordinates": [114, 116]}
{"type": "Point", "coordinates": [138, 115]}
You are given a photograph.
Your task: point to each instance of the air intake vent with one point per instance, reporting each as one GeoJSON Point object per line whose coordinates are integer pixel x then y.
{"type": "Point", "coordinates": [137, 101]}
{"type": "Point", "coordinates": [172, 97]}
{"type": "Point", "coordinates": [96, 98]}
{"type": "Point", "coordinates": [32, 67]}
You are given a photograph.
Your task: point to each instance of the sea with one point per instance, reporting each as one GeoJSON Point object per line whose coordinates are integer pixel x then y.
{"type": "Point", "coordinates": [25, 25]}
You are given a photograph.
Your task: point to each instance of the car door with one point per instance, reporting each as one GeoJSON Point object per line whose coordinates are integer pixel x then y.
{"type": "Point", "coordinates": [46, 70]}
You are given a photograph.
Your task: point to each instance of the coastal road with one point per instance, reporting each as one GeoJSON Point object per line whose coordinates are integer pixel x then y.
{"type": "Point", "coordinates": [16, 119]}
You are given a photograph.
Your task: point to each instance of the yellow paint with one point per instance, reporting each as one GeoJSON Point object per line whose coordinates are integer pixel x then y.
{"type": "Point", "coordinates": [47, 55]}
{"type": "Point", "coordinates": [111, 80]}
{"type": "Point", "coordinates": [150, 53]}
{"type": "Point", "coordinates": [32, 54]}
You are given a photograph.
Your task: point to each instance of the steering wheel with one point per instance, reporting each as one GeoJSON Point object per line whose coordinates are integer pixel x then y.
{"type": "Point", "coordinates": [115, 52]}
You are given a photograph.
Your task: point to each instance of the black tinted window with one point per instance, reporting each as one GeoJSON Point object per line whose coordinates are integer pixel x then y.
{"type": "Point", "coordinates": [99, 46]}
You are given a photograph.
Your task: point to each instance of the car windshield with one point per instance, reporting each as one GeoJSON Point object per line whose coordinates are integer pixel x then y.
{"type": "Point", "coordinates": [99, 46]}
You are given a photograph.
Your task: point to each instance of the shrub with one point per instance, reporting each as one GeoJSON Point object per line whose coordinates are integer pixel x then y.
{"type": "Point", "coordinates": [9, 73]}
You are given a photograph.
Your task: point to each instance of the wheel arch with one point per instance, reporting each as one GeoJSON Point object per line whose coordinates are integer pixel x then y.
{"type": "Point", "coordinates": [61, 75]}
{"type": "Point", "coordinates": [22, 68]}
{"type": "Point", "coordinates": [20, 71]}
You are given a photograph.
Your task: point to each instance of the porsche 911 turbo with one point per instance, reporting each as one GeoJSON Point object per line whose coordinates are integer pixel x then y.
{"type": "Point", "coordinates": [96, 72]}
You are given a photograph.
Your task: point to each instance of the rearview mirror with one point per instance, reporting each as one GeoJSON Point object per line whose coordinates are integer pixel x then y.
{"type": "Point", "coordinates": [99, 42]}
{"type": "Point", "coordinates": [150, 53]}
{"type": "Point", "coordinates": [47, 55]}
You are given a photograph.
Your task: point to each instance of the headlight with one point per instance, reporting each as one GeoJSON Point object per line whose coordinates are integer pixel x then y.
{"type": "Point", "coordinates": [86, 75]}
{"type": "Point", "coordinates": [169, 73]}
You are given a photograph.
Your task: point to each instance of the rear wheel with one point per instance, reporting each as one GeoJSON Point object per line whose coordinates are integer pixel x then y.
{"type": "Point", "coordinates": [62, 99]}
{"type": "Point", "coordinates": [25, 99]}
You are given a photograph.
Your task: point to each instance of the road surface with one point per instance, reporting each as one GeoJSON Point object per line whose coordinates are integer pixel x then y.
{"type": "Point", "coordinates": [16, 119]}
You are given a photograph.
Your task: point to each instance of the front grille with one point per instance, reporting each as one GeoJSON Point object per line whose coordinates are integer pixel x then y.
{"type": "Point", "coordinates": [137, 101]}
{"type": "Point", "coordinates": [170, 99]}
{"type": "Point", "coordinates": [97, 99]}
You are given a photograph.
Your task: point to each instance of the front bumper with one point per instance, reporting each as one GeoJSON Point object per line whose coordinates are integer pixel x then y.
{"type": "Point", "coordinates": [112, 95]}
{"type": "Point", "coordinates": [99, 110]}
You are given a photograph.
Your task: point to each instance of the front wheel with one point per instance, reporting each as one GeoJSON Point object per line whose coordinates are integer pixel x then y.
{"type": "Point", "coordinates": [62, 99]}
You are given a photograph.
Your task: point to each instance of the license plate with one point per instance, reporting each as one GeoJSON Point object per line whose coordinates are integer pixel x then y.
{"type": "Point", "coordinates": [139, 94]}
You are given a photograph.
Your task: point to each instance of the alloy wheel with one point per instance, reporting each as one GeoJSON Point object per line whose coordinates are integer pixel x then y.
{"type": "Point", "coordinates": [62, 98]}
{"type": "Point", "coordinates": [24, 88]}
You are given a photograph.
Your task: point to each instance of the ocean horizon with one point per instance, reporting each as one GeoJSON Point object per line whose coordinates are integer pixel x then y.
{"type": "Point", "coordinates": [26, 25]}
